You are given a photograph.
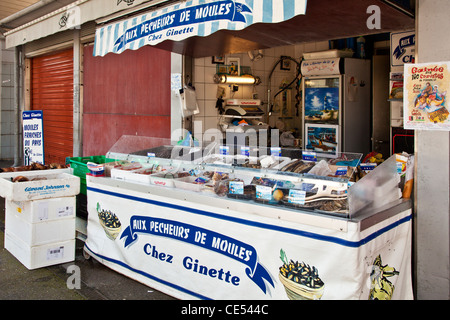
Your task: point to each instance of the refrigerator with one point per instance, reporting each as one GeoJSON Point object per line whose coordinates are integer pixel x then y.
{"type": "Point", "coordinates": [336, 105]}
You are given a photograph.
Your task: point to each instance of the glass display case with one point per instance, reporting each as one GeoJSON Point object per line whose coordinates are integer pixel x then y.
{"type": "Point", "coordinates": [289, 178]}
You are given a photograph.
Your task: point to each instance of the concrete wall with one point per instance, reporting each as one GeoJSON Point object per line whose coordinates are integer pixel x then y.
{"type": "Point", "coordinates": [6, 102]}
{"type": "Point", "coordinates": [432, 157]}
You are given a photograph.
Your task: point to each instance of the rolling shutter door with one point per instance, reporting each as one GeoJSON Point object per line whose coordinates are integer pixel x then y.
{"type": "Point", "coordinates": [52, 92]}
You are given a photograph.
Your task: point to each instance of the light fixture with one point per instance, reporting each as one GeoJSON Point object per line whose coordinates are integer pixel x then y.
{"type": "Point", "coordinates": [246, 79]}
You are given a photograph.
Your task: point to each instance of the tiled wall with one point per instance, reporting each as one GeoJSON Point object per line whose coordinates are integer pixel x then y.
{"type": "Point", "coordinates": [206, 89]}
{"type": "Point", "coordinates": [6, 103]}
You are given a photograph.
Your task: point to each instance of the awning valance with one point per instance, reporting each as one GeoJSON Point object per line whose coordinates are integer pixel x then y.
{"type": "Point", "coordinates": [192, 18]}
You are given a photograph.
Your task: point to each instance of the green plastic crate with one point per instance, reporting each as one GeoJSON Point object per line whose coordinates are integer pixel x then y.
{"type": "Point", "coordinates": [79, 167]}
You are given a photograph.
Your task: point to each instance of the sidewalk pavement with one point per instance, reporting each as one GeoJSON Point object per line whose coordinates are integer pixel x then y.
{"type": "Point", "coordinates": [50, 283]}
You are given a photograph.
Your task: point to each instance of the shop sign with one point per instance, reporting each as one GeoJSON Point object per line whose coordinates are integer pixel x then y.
{"type": "Point", "coordinates": [33, 137]}
{"type": "Point", "coordinates": [316, 67]}
{"type": "Point", "coordinates": [205, 252]}
{"type": "Point", "coordinates": [403, 48]}
{"type": "Point", "coordinates": [425, 96]}
{"type": "Point", "coordinates": [191, 18]}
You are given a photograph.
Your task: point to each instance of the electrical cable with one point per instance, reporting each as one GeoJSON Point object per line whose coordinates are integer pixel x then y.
{"type": "Point", "coordinates": [297, 77]}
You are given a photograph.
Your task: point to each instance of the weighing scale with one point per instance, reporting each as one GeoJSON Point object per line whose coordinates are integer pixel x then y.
{"type": "Point", "coordinates": [243, 107]}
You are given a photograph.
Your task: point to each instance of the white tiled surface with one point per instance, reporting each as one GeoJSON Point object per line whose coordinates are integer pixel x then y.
{"type": "Point", "coordinates": [206, 89]}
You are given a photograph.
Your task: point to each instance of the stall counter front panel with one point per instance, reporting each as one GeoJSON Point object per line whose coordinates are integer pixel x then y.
{"type": "Point", "coordinates": [194, 246]}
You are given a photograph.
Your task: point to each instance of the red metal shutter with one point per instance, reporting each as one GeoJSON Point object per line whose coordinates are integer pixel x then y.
{"type": "Point", "coordinates": [52, 92]}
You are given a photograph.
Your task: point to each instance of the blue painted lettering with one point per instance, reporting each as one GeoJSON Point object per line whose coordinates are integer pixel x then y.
{"type": "Point", "coordinates": [231, 248]}
{"type": "Point", "coordinates": [193, 265]}
{"type": "Point", "coordinates": [153, 252]}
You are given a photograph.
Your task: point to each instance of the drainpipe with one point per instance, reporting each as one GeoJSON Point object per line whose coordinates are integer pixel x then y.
{"type": "Point", "coordinates": [18, 161]}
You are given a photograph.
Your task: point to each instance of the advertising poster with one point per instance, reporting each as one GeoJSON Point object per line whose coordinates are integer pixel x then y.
{"type": "Point", "coordinates": [322, 104]}
{"type": "Point", "coordinates": [199, 251]}
{"type": "Point", "coordinates": [33, 137]}
{"type": "Point", "coordinates": [323, 139]}
{"type": "Point", "coordinates": [425, 94]}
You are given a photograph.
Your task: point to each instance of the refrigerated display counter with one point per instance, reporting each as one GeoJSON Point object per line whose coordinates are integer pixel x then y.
{"type": "Point", "coordinates": [215, 226]}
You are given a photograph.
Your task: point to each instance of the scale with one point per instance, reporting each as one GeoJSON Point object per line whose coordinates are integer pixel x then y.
{"type": "Point", "coordinates": [243, 107]}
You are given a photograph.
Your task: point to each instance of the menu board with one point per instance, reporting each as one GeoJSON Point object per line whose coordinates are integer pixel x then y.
{"type": "Point", "coordinates": [33, 137]}
{"type": "Point", "coordinates": [424, 100]}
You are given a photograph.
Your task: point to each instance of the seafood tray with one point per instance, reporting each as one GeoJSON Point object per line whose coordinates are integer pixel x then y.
{"type": "Point", "coordinates": [134, 172]}
{"type": "Point", "coordinates": [191, 183]}
{"type": "Point", "coordinates": [165, 179]}
{"type": "Point", "coordinates": [172, 152]}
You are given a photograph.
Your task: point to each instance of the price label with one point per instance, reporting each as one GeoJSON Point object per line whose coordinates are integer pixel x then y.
{"type": "Point", "coordinates": [275, 151]}
{"type": "Point", "coordinates": [309, 156]}
{"type": "Point", "coordinates": [263, 192]}
{"type": "Point", "coordinates": [65, 211]}
{"type": "Point", "coordinates": [341, 171]}
{"type": "Point", "coordinates": [55, 253]}
{"type": "Point", "coordinates": [224, 150]}
{"type": "Point", "coordinates": [236, 187]}
{"type": "Point", "coordinates": [296, 196]}
{"type": "Point", "coordinates": [245, 151]}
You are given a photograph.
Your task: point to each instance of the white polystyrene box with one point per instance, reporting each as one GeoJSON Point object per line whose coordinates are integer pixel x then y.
{"type": "Point", "coordinates": [40, 256]}
{"type": "Point", "coordinates": [35, 234]}
{"type": "Point", "coordinates": [43, 209]}
{"type": "Point", "coordinates": [130, 175]}
{"type": "Point", "coordinates": [55, 185]}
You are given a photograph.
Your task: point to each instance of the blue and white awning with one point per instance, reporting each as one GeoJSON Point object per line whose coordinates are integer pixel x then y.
{"type": "Point", "coordinates": [192, 18]}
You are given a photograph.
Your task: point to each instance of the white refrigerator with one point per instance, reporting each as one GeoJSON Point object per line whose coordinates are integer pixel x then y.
{"type": "Point", "coordinates": [336, 105]}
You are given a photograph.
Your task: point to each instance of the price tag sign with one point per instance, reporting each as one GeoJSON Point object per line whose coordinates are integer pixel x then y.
{"type": "Point", "coordinates": [236, 187]}
{"type": "Point", "coordinates": [245, 151]}
{"type": "Point", "coordinates": [341, 171]}
{"type": "Point", "coordinates": [224, 150]}
{"type": "Point", "coordinates": [263, 192]}
{"type": "Point", "coordinates": [275, 151]}
{"type": "Point", "coordinates": [296, 196]}
{"type": "Point", "coordinates": [309, 156]}
{"type": "Point", "coordinates": [367, 166]}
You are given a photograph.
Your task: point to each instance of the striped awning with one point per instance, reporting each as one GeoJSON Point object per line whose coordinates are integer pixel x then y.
{"type": "Point", "coordinates": [191, 18]}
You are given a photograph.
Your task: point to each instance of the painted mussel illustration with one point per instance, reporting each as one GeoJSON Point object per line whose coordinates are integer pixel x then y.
{"type": "Point", "coordinates": [109, 221]}
{"type": "Point", "coordinates": [300, 280]}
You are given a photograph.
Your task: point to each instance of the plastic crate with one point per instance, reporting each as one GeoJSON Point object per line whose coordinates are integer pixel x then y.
{"type": "Point", "coordinates": [79, 167]}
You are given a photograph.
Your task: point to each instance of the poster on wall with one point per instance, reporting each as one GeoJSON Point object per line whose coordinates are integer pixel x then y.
{"type": "Point", "coordinates": [33, 137]}
{"type": "Point", "coordinates": [323, 139]}
{"type": "Point", "coordinates": [424, 99]}
{"type": "Point", "coordinates": [322, 104]}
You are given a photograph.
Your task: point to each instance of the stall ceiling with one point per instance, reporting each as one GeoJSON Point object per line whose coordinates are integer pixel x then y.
{"type": "Point", "coordinates": [324, 20]}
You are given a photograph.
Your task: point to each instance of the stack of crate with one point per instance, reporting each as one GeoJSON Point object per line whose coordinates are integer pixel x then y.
{"type": "Point", "coordinates": [40, 217]}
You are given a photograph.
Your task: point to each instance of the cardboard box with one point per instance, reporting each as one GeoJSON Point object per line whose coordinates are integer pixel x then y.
{"type": "Point", "coordinates": [43, 209]}
{"type": "Point", "coordinates": [40, 256]}
{"type": "Point", "coordinates": [55, 185]}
